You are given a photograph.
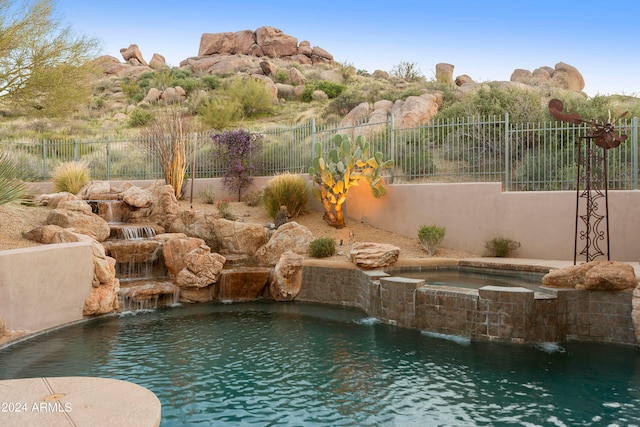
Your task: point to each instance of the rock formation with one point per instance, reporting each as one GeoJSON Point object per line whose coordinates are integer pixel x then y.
{"type": "Point", "coordinates": [594, 275]}
{"type": "Point", "coordinates": [286, 279]}
{"type": "Point", "coordinates": [289, 237]}
{"type": "Point", "coordinates": [563, 76]}
{"type": "Point", "coordinates": [373, 255]}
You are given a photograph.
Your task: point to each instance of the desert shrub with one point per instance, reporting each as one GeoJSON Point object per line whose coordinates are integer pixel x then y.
{"type": "Point", "coordinates": [224, 207]}
{"type": "Point", "coordinates": [189, 84]}
{"type": "Point", "coordinates": [282, 76]}
{"type": "Point", "coordinates": [407, 71]}
{"type": "Point", "coordinates": [11, 186]}
{"type": "Point", "coordinates": [252, 95]}
{"type": "Point", "coordinates": [70, 176]}
{"type": "Point", "coordinates": [322, 247]}
{"type": "Point", "coordinates": [208, 195]}
{"type": "Point", "coordinates": [211, 82]}
{"type": "Point", "coordinates": [219, 112]}
{"type": "Point", "coordinates": [286, 190]}
{"type": "Point", "coordinates": [344, 103]}
{"type": "Point", "coordinates": [253, 198]}
{"type": "Point", "coordinates": [501, 247]}
{"type": "Point", "coordinates": [140, 117]}
{"type": "Point", "coordinates": [132, 90]}
{"type": "Point", "coordinates": [331, 89]}
{"type": "Point", "coordinates": [430, 237]}
{"type": "Point", "coordinates": [239, 151]}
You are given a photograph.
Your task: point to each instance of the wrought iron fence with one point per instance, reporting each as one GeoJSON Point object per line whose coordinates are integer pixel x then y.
{"type": "Point", "coordinates": [523, 156]}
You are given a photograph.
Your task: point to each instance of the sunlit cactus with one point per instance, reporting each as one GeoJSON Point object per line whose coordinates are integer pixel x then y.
{"type": "Point", "coordinates": [342, 168]}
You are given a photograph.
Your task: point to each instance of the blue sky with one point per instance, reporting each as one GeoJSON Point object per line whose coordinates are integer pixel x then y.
{"type": "Point", "coordinates": [486, 40]}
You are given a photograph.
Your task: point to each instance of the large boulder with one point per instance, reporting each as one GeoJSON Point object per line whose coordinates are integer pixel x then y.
{"type": "Point", "coordinates": [43, 234]}
{"type": "Point", "coordinates": [175, 249]}
{"type": "Point", "coordinates": [416, 110]}
{"type": "Point", "coordinates": [164, 209]}
{"type": "Point", "coordinates": [82, 222]}
{"type": "Point", "coordinates": [567, 77]}
{"type": "Point", "coordinates": [132, 55]}
{"type": "Point", "coordinates": [202, 268]}
{"type": "Point", "coordinates": [95, 190]}
{"type": "Point", "coordinates": [102, 299]}
{"type": "Point", "coordinates": [373, 255]}
{"type": "Point", "coordinates": [137, 197]}
{"type": "Point", "coordinates": [288, 237]}
{"type": "Point", "coordinates": [275, 43]}
{"type": "Point", "coordinates": [158, 62]}
{"type": "Point", "coordinates": [54, 199]}
{"type": "Point", "coordinates": [242, 284]}
{"type": "Point", "coordinates": [286, 278]}
{"type": "Point", "coordinates": [444, 73]}
{"type": "Point", "coordinates": [221, 235]}
{"type": "Point", "coordinates": [594, 275]}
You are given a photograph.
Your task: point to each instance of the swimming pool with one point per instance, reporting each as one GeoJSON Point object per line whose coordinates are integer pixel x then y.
{"type": "Point", "coordinates": [316, 365]}
{"type": "Point", "coordinates": [473, 278]}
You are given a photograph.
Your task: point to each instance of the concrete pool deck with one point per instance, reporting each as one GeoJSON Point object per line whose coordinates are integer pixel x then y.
{"type": "Point", "coordinates": [77, 401]}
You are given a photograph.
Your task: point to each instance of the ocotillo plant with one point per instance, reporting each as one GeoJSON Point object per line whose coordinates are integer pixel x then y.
{"type": "Point", "coordinates": [342, 168]}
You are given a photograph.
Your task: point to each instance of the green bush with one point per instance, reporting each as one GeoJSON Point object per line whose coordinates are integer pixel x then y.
{"type": "Point", "coordinates": [282, 76]}
{"type": "Point", "coordinates": [501, 247]}
{"type": "Point", "coordinates": [322, 247]}
{"type": "Point", "coordinates": [430, 237]}
{"type": "Point", "coordinates": [286, 190]}
{"type": "Point", "coordinates": [70, 176]}
{"type": "Point", "coordinates": [140, 117]}
{"type": "Point", "coordinates": [211, 82]}
{"type": "Point", "coordinates": [252, 95]}
{"type": "Point", "coordinates": [208, 195]}
{"type": "Point", "coordinates": [219, 113]}
{"type": "Point", "coordinates": [331, 89]}
{"type": "Point", "coordinates": [344, 103]}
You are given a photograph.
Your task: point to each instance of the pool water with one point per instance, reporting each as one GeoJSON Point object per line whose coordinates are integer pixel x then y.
{"type": "Point", "coordinates": [282, 364]}
{"type": "Point", "coordinates": [475, 278]}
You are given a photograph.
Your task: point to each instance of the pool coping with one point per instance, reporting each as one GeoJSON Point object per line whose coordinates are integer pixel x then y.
{"type": "Point", "coordinates": [77, 401]}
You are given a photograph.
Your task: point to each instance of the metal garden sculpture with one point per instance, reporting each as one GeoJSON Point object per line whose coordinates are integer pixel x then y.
{"type": "Point", "coordinates": [593, 177]}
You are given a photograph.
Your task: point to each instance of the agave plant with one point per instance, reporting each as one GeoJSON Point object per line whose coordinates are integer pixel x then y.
{"type": "Point", "coordinates": [11, 186]}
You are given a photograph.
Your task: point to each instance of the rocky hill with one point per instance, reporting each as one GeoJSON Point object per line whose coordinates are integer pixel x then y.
{"type": "Point", "coordinates": [287, 68]}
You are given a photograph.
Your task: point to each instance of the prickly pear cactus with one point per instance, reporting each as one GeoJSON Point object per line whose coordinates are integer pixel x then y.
{"type": "Point", "coordinates": [343, 167]}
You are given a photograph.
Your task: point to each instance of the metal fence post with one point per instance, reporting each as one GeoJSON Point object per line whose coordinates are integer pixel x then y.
{"type": "Point", "coordinates": [76, 150]}
{"type": "Point", "coordinates": [312, 124]}
{"type": "Point", "coordinates": [44, 159]}
{"type": "Point", "coordinates": [507, 152]}
{"type": "Point", "coordinates": [108, 158]}
{"type": "Point", "coordinates": [634, 150]}
{"type": "Point", "coordinates": [392, 139]}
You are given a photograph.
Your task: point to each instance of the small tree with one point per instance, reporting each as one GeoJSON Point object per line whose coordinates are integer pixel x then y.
{"type": "Point", "coordinates": [407, 71]}
{"type": "Point", "coordinates": [342, 168]}
{"type": "Point", "coordinates": [240, 151]}
{"type": "Point", "coordinates": [167, 139]}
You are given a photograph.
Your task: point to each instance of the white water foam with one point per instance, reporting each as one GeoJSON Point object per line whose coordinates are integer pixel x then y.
{"type": "Point", "coordinates": [550, 347]}
{"type": "Point", "coordinates": [368, 321]}
{"type": "Point", "coordinates": [455, 338]}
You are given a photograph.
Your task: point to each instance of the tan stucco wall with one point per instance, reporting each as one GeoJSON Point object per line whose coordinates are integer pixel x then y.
{"type": "Point", "coordinates": [44, 286]}
{"type": "Point", "coordinates": [543, 222]}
